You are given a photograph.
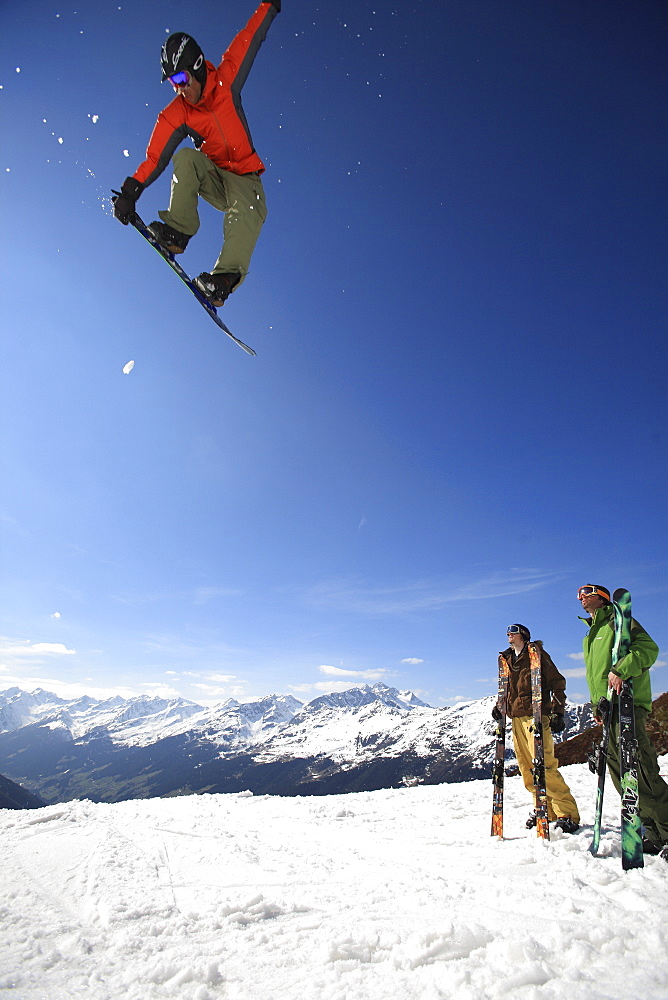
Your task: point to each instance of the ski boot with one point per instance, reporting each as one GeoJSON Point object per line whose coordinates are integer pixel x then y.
{"type": "Point", "coordinates": [650, 846]}
{"type": "Point", "coordinates": [170, 239]}
{"type": "Point", "coordinates": [217, 287]}
{"type": "Point", "coordinates": [567, 824]}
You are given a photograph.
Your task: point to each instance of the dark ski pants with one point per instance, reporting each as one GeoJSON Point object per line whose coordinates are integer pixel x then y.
{"type": "Point", "coordinates": [240, 197]}
{"type": "Point", "coordinates": [653, 790]}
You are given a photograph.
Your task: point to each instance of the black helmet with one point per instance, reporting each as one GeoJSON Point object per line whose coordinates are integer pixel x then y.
{"type": "Point", "coordinates": [181, 52]}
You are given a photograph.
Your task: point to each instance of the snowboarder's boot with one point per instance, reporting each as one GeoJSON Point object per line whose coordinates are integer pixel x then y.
{"type": "Point", "coordinates": [170, 239]}
{"type": "Point", "coordinates": [531, 821]}
{"type": "Point", "coordinates": [217, 287]}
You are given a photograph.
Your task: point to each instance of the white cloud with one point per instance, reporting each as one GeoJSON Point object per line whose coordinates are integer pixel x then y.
{"type": "Point", "coordinates": [576, 656]}
{"type": "Point", "coordinates": [412, 659]}
{"type": "Point", "coordinates": [575, 672]}
{"type": "Point", "coordinates": [660, 663]}
{"type": "Point", "coordinates": [213, 693]}
{"type": "Point", "coordinates": [56, 614]}
{"type": "Point", "coordinates": [27, 648]}
{"type": "Point", "coordinates": [215, 677]}
{"type": "Point", "coordinates": [367, 675]}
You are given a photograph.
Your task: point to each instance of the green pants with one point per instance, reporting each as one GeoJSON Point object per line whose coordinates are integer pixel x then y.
{"type": "Point", "coordinates": [560, 802]}
{"type": "Point", "coordinates": [241, 198]}
{"type": "Point", "coordinates": [653, 790]}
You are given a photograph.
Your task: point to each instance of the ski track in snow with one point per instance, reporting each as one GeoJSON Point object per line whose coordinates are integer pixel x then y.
{"type": "Point", "coordinates": [399, 893]}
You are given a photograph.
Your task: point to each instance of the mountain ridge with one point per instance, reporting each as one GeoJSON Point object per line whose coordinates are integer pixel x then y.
{"type": "Point", "coordinates": [363, 738]}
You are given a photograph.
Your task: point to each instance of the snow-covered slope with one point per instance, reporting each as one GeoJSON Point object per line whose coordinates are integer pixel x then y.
{"type": "Point", "coordinates": [398, 894]}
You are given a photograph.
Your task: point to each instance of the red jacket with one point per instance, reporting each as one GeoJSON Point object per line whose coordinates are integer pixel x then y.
{"type": "Point", "coordinates": [217, 123]}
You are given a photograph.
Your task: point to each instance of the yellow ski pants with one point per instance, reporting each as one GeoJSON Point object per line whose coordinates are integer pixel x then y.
{"type": "Point", "coordinates": [560, 802]}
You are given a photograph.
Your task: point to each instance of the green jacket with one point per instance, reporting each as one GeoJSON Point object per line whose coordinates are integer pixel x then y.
{"type": "Point", "coordinates": [598, 645]}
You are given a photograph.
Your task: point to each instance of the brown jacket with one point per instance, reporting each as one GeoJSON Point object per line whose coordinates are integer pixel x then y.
{"type": "Point", "coordinates": [519, 684]}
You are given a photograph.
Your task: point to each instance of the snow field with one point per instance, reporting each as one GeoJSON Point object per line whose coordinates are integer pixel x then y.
{"type": "Point", "coordinates": [399, 893]}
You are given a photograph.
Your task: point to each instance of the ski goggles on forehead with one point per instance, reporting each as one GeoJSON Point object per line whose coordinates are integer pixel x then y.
{"type": "Point", "coordinates": [181, 79]}
{"type": "Point", "coordinates": [589, 591]}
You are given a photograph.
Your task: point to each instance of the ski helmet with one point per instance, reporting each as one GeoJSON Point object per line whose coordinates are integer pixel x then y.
{"type": "Point", "coordinates": [181, 52]}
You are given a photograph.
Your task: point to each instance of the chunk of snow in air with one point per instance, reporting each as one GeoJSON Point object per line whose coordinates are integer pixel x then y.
{"type": "Point", "coordinates": [128, 368]}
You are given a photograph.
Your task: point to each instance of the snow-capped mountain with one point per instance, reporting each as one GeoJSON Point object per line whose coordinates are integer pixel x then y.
{"type": "Point", "coordinates": [138, 720]}
{"type": "Point", "coordinates": [362, 738]}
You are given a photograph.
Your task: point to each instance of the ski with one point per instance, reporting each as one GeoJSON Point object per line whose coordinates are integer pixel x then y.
{"type": "Point", "coordinates": [542, 825]}
{"type": "Point", "coordinates": [632, 854]}
{"type": "Point", "coordinates": [142, 228]}
{"type": "Point", "coordinates": [598, 764]}
{"type": "Point", "coordinates": [498, 768]}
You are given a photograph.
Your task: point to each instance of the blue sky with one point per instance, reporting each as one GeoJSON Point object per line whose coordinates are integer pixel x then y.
{"type": "Point", "coordinates": [458, 302]}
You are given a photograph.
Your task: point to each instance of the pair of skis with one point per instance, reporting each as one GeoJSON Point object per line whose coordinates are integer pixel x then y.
{"type": "Point", "coordinates": [632, 854]}
{"type": "Point", "coordinates": [538, 762]}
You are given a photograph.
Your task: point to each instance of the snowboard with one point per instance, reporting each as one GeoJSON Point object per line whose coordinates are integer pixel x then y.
{"type": "Point", "coordinates": [166, 255]}
{"type": "Point", "coordinates": [538, 770]}
{"type": "Point", "coordinates": [498, 768]}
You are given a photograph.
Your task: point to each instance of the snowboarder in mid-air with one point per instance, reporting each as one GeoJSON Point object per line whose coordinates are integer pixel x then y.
{"type": "Point", "coordinates": [224, 167]}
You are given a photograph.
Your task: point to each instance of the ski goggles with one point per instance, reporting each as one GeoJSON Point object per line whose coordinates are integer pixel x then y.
{"type": "Point", "coordinates": [181, 79]}
{"type": "Point", "coordinates": [589, 591]}
{"type": "Point", "coordinates": [515, 630]}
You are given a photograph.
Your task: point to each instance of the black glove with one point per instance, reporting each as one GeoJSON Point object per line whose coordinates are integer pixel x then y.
{"type": "Point", "coordinates": [557, 723]}
{"type": "Point", "coordinates": [497, 715]}
{"type": "Point", "coordinates": [602, 709]}
{"type": "Point", "coordinates": [125, 201]}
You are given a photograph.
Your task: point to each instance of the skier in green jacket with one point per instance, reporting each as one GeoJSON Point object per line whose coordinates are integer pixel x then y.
{"type": "Point", "coordinates": [601, 675]}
